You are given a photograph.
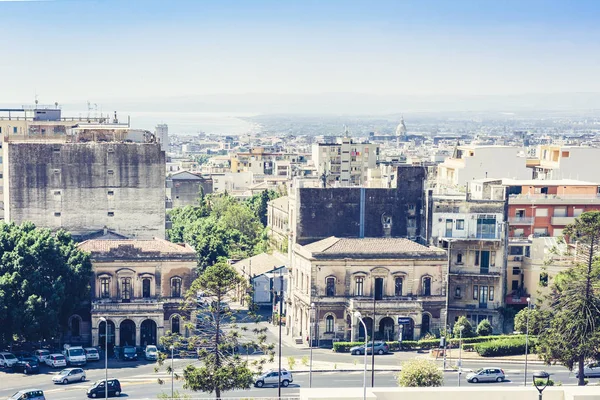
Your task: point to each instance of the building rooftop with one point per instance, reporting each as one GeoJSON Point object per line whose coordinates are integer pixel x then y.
{"type": "Point", "coordinates": [281, 203]}
{"type": "Point", "coordinates": [333, 247]}
{"type": "Point", "coordinates": [536, 182]}
{"type": "Point", "coordinates": [136, 248]}
{"type": "Point", "coordinates": [259, 264]}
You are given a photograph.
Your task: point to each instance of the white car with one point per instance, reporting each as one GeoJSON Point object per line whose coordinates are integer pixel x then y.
{"type": "Point", "coordinates": [41, 355]}
{"type": "Point", "coordinates": [75, 355]}
{"type": "Point", "coordinates": [151, 352]}
{"type": "Point", "coordinates": [69, 375]}
{"type": "Point", "coordinates": [56, 360]}
{"type": "Point", "coordinates": [91, 354]}
{"type": "Point", "coordinates": [7, 360]}
{"type": "Point", "coordinates": [590, 370]}
{"type": "Point", "coordinates": [271, 378]}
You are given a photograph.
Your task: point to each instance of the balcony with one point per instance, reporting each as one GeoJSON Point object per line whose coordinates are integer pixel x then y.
{"type": "Point", "coordinates": [136, 305]}
{"type": "Point", "coordinates": [474, 305]}
{"type": "Point", "coordinates": [540, 198]}
{"type": "Point", "coordinates": [475, 271]}
{"type": "Point", "coordinates": [520, 220]}
{"type": "Point", "coordinates": [562, 220]}
{"type": "Point", "coordinates": [387, 303]}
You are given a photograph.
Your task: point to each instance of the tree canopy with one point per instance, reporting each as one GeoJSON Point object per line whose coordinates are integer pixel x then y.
{"type": "Point", "coordinates": [468, 330]}
{"type": "Point", "coordinates": [44, 277]}
{"type": "Point", "coordinates": [420, 373]}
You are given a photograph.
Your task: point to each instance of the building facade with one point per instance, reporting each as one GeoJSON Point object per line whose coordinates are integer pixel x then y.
{"type": "Point", "coordinates": [138, 287]}
{"type": "Point", "coordinates": [278, 223]}
{"type": "Point", "coordinates": [184, 188]}
{"type": "Point", "coordinates": [345, 163]}
{"type": "Point", "coordinates": [566, 162]}
{"type": "Point", "coordinates": [162, 136]}
{"type": "Point", "coordinates": [342, 276]}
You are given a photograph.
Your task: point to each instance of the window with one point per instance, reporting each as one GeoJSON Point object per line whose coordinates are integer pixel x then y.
{"type": "Point", "coordinates": [14, 129]}
{"type": "Point", "coordinates": [541, 212]}
{"type": "Point", "coordinates": [57, 192]}
{"type": "Point", "coordinates": [57, 214]}
{"type": "Point", "coordinates": [111, 192]}
{"type": "Point", "coordinates": [146, 287]}
{"type": "Point", "coordinates": [75, 331]}
{"type": "Point", "coordinates": [515, 250]}
{"type": "Point", "coordinates": [457, 292]}
{"type": "Point", "coordinates": [516, 271]}
{"type": "Point", "coordinates": [460, 224]}
{"type": "Point", "coordinates": [176, 287]}
{"type": "Point", "coordinates": [175, 325]}
{"type": "Point", "coordinates": [491, 293]}
{"type": "Point", "coordinates": [475, 292]}
{"type": "Point", "coordinates": [359, 288]}
{"type": "Point", "coordinates": [329, 324]}
{"type": "Point", "coordinates": [126, 289]}
{"type": "Point", "coordinates": [330, 287]}
{"type": "Point", "coordinates": [459, 259]}
{"type": "Point", "coordinates": [378, 288]}
{"type": "Point", "coordinates": [427, 286]}
{"type": "Point", "coordinates": [477, 257]}
{"type": "Point", "coordinates": [493, 259]}
{"type": "Point", "coordinates": [105, 288]}
{"type": "Point", "coordinates": [110, 172]}
{"type": "Point", "coordinates": [398, 286]}
{"type": "Point", "coordinates": [111, 214]}
{"type": "Point", "coordinates": [514, 285]}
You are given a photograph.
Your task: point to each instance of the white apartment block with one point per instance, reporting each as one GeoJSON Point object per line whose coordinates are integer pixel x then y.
{"type": "Point", "coordinates": [162, 136]}
{"type": "Point", "coordinates": [566, 162]}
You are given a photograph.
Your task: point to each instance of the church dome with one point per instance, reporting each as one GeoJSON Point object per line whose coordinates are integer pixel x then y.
{"type": "Point", "coordinates": [401, 128]}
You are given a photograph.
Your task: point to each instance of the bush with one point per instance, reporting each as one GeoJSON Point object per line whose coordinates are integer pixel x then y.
{"type": "Point", "coordinates": [420, 373]}
{"type": "Point", "coordinates": [484, 328]}
{"type": "Point", "coordinates": [468, 347]}
{"type": "Point", "coordinates": [542, 382]}
{"type": "Point", "coordinates": [467, 330]}
{"type": "Point", "coordinates": [504, 347]}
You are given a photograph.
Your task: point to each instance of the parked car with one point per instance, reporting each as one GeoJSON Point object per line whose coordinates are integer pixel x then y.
{"type": "Point", "coordinates": [7, 360]}
{"type": "Point", "coordinates": [129, 353]}
{"type": "Point", "coordinates": [590, 370]}
{"type": "Point", "coordinates": [41, 355]}
{"type": "Point", "coordinates": [380, 348]}
{"type": "Point", "coordinates": [28, 394]}
{"type": "Point", "coordinates": [69, 375]}
{"type": "Point", "coordinates": [75, 355]}
{"type": "Point", "coordinates": [486, 375]}
{"type": "Point", "coordinates": [91, 354]}
{"type": "Point", "coordinates": [27, 365]}
{"type": "Point", "coordinates": [151, 352]}
{"type": "Point", "coordinates": [98, 388]}
{"type": "Point", "coordinates": [56, 360]}
{"type": "Point", "coordinates": [271, 378]}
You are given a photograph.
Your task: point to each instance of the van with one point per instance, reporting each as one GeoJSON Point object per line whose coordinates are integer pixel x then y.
{"type": "Point", "coordinates": [98, 388]}
{"type": "Point", "coordinates": [75, 355]}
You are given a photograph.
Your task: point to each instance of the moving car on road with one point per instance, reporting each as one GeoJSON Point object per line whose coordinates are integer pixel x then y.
{"type": "Point", "coordinates": [7, 360]}
{"type": "Point", "coordinates": [91, 354]}
{"type": "Point", "coordinates": [69, 375]}
{"type": "Point", "coordinates": [380, 348]}
{"type": "Point", "coordinates": [28, 394]}
{"type": "Point", "coordinates": [56, 360]}
{"type": "Point", "coordinates": [98, 388]}
{"type": "Point", "coordinates": [27, 365]}
{"type": "Point", "coordinates": [271, 378]}
{"type": "Point", "coordinates": [151, 352]}
{"type": "Point", "coordinates": [590, 370]}
{"type": "Point", "coordinates": [486, 375]}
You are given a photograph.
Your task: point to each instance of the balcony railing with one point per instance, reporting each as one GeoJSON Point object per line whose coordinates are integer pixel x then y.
{"type": "Point", "coordinates": [520, 220]}
{"type": "Point", "coordinates": [458, 270]}
{"type": "Point", "coordinates": [147, 306]}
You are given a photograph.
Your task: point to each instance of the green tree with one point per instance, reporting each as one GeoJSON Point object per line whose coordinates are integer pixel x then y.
{"type": "Point", "coordinates": [420, 373]}
{"type": "Point", "coordinates": [484, 328]}
{"type": "Point", "coordinates": [538, 320]}
{"type": "Point", "coordinates": [43, 279]}
{"type": "Point", "coordinates": [467, 330]}
{"type": "Point", "coordinates": [573, 335]}
{"type": "Point", "coordinates": [217, 335]}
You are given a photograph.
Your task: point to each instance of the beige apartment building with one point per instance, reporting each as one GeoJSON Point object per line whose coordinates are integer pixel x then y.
{"type": "Point", "coordinates": [341, 276]}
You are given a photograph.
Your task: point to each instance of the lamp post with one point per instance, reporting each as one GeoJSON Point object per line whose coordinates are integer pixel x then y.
{"type": "Point", "coordinates": [460, 329]}
{"type": "Point", "coordinates": [359, 316]}
{"type": "Point", "coordinates": [540, 381]}
{"type": "Point", "coordinates": [310, 340]}
{"type": "Point", "coordinates": [527, 337]}
{"type": "Point", "coordinates": [172, 370]}
{"type": "Point", "coordinates": [102, 319]}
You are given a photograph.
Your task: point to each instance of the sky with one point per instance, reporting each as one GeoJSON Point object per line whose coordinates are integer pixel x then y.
{"type": "Point", "coordinates": [72, 51]}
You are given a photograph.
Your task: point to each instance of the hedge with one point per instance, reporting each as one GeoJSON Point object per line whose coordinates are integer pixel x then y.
{"type": "Point", "coordinates": [469, 346]}
{"type": "Point", "coordinates": [504, 347]}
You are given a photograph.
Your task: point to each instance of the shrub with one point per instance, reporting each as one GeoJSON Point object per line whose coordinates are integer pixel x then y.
{"type": "Point", "coordinates": [291, 362]}
{"type": "Point", "coordinates": [468, 347]}
{"type": "Point", "coordinates": [304, 361]}
{"type": "Point", "coordinates": [420, 373]}
{"type": "Point", "coordinates": [467, 330]}
{"type": "Point", "coordinates": [484, 328]}
{"type": "Point", "coordinates": [426, 344]}
{"type": "Point", "coordinates": [504, 347]}
{"type": "Point", "coordinates": [542, 382]}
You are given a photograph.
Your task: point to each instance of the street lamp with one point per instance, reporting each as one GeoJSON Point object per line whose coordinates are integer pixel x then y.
{"type": "Point", "coordinates": [359, 316]}
{"type": "Point", "coordinates": [310, 340]}
{"type": "Point", "coordinates": [460, 329]}
{"type": "Point", "coordinates": [541, 380]}
{"type": "Point", "coordinates": [102, 319]}
{"type": "Point", "coordinates": [527, 337]}
{"type": "Point", "coordinates": [172, 370]}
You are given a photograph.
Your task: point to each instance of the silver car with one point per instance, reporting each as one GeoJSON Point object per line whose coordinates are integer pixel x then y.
{"type": "Point", "coordinates": [28, 394]}
{"type": "Point", "coordinates": [271, 378]}
{"type": "Point", "coordinates": [486, 375]}
{"type": "Point", "coordinates": [69, 375]}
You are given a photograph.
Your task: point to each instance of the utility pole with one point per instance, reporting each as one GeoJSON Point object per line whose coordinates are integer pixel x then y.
{"type": "Point", "coordinates": [373, 337]}
{"type": "Point", "coordinates": [280, 312]}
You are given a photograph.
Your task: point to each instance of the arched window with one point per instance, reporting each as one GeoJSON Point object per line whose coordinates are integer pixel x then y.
{"type": "Point", "coordinates": [425, 324]}
{"type": "Point", "coordinates": [398, 286]}
{"type": "Point", "coordinates": [175, 325]}
{"type": "Point", "coordinates": [360, 285]}
{"type": "Point", "coordinates": [105, 288]}
{"type": "Point", "coordinates": [427, 286]}
{"type": "Point", "coordinates": [330, 287]}
{"type": "Point", "coordinates": [329, 324]}
{"type": "Point", "coordinates": [126, 292]}
{"type": "Point", "coordinates": [176, 287]}
{"type": "Point", "coordinates": [146, 282]}
{"type": "Point", "coordinates": [75, 325]}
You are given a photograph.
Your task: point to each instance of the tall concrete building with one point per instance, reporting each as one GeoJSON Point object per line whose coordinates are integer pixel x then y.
{"type": "Point", "coordinates": [162, 136]}
{"type": "Point", "coordinates": [84, 186]}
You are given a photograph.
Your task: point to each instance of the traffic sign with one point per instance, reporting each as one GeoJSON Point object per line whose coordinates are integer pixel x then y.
{"type": "Point", "coordinates": [404, 320]}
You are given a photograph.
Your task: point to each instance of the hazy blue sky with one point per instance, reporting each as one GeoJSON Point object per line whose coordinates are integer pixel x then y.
{"type": "Point", "coordinates": [107, 49]}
